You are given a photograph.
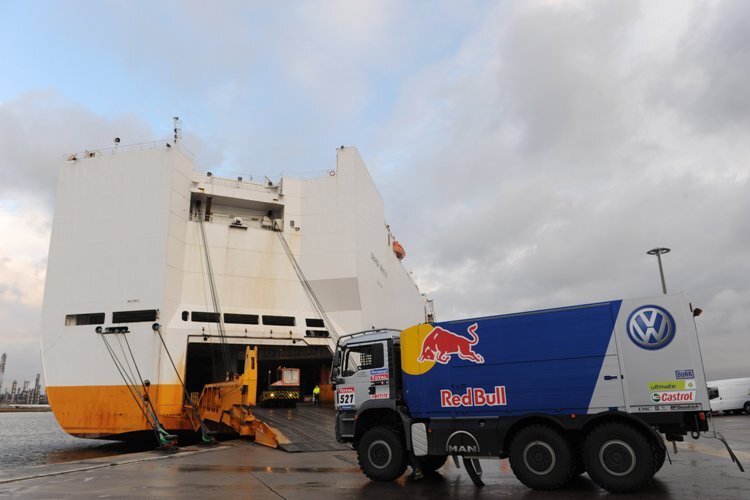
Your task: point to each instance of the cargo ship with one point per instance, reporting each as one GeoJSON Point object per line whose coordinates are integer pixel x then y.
{"type": "Point", "coordinates": [160, 276]}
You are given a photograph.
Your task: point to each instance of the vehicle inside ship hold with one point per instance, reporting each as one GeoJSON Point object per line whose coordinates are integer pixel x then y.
{"type": "Point", "coordinates": [177, 300]}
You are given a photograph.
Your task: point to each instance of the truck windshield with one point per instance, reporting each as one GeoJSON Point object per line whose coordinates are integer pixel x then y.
{"type": "Point", "coordinates": [363, 357]}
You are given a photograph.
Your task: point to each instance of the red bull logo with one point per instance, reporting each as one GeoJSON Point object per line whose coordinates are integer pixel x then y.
{"type": "Point", "coordinates": [440, 345]}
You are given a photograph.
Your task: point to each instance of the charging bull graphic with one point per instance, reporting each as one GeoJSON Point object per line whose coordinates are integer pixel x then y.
{"type": "Point", "coordinates": [440, 344]}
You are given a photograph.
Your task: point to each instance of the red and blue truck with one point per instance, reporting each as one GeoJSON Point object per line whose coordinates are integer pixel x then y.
{"type": "Point", "coordinates": [596, 388]}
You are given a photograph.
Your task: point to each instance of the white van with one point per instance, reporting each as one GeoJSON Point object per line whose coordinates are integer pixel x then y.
{"type": "Point", "coordinates": [730, 395]}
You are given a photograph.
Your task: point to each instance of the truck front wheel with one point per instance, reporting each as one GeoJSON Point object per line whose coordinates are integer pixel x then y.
{"type": "Point", "coordinates": [381, 454]}
{"type": "Point", "coordinates": [541, 458]}
{"type": "Point", "coordinates": [620, 458]}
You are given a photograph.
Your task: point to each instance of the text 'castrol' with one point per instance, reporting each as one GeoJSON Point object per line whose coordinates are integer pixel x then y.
{"type": "Point", "coordinates": [474, 396]}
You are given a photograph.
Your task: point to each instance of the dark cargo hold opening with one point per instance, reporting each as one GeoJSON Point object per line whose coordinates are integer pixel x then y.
{"type": "Point", "coordinates": [205, 364]}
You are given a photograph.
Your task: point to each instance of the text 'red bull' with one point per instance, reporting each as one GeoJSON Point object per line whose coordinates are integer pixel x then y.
{"type": "Point", "coordinates": [474, 396]}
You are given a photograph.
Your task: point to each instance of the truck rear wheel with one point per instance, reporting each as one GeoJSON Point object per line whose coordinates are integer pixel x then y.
{"type": "Point", "coordinates": [661, 457]}
{"type": "Point", "coordinates": [541, 458]}
{"type": "Point", "coordinates": [620, 458]}
{"type": "Point", "coordinates": [747, 407]}
{"type": "Point", "coordinates": [381, 455]}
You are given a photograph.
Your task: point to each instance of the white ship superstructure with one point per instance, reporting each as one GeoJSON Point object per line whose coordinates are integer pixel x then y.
{"type": "Point", "coordinates": [140, 239]}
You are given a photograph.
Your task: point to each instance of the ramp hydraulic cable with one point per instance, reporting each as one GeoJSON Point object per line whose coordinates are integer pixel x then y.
{"type": "Point", "coordinates": [225, 354]}
{"type": "Point", "coordinates": [205, 433]}
{"type": "Point", "coordinates": [143, 401]}
{"type": "Point", "coordinates": [312, 297]}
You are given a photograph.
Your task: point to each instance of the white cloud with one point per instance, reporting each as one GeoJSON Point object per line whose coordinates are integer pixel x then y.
{"type": "Point", "coordinates": [23, 253]}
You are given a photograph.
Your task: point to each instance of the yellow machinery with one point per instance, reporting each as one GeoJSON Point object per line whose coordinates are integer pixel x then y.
{"type": "Point", "coordinates": [226, 405]}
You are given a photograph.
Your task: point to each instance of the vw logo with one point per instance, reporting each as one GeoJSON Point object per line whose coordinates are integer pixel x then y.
{"type": "Point", "coordinates": [651, 327]}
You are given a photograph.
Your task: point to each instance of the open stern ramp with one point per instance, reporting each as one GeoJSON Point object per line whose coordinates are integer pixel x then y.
{"type": "Point", "coordinates": [305, 428]}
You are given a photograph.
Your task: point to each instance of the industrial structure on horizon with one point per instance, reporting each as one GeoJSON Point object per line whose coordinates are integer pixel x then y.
{"type": "Point", "coordinates": [20, 394]}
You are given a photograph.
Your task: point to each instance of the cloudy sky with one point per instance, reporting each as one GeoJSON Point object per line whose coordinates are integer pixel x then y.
{"type": "Point", "coordinates": [529, 153]}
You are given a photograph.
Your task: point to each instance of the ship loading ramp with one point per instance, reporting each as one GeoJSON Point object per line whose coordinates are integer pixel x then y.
{"type": "Point", "coordinates": [227, 405]}
{"type": "Point", "coordinates": [301, 429]}
{"type": "Point", "coordinates": [232, 406]}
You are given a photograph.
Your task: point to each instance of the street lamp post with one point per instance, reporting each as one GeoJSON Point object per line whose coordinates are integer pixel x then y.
{"type": "Point", "coordinates": [658, 252]}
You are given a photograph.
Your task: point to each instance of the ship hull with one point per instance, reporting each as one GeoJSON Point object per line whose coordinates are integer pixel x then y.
{"type": "Point", "coordinates": [107, 412]}
{"type": "Point", "coordinates": [159, 276]}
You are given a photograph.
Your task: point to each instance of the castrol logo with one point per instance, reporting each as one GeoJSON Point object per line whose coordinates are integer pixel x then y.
{"type": "Point", "coordinates": [673, 397]}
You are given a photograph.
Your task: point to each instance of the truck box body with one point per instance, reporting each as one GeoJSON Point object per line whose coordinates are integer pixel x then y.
{"type": "Point", "coordinates": [635, 356]}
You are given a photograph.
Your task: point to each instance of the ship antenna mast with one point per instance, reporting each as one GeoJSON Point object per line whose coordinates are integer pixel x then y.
{"type": "Point", "coordinates": [177, 128]}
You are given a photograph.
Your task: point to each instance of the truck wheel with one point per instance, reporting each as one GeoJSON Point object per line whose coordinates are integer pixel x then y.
{"type": "Point", "coordinates": [381, 455]}
{"type": "Point", "coordinates": [661, 457]}
{"type": "Point", "coordinates": [620, 458]}
{"type": "Point", "coordinates": [431, 463]}
{"type": "Point", "coordinates": [747, 407]}
{"type": "Point", "coordinates": [541, 458]}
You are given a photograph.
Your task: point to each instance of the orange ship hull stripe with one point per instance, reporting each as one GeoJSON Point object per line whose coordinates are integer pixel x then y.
{"type": "Point", "coordinates": [102, 411]}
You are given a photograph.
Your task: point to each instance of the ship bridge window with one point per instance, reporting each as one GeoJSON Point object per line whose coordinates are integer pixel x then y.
{"type": "Point", "coordinates": [84, 319]}
{"type": "Point", "coordinates": [205, 317]}
{"type": "Point", "coordinates": [279, 320]}
{"type": "Point", "coordinates": [241, 319]}
{"type": "Point", "coordinates": [134, 316]}
{"type": "Point", "coordinates": [314, 322]}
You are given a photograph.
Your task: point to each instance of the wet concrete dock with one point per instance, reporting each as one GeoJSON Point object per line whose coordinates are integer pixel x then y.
{"type": "Point", "coordinates": [238, 469]}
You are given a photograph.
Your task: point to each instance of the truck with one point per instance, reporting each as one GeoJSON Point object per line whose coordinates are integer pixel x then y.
{"type": "Point", "coordinates": [594, 388]}
{"type": "Point", "coordinates": [730, 395]}
{"type": "Point", "coordinates": [285, 391]}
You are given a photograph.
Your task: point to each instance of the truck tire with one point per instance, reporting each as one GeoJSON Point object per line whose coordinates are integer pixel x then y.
{"type": "Point", "coordinates": [620, 458]}
{"type": "Point", "coordinates": [431, 463]}
{"type": "Point", "coordinates": [541, 457]}
{"type": "Point", "coordinates": [380, 454]}
{"type": "Point", "coordinates": [747, 407]}
{"type": "Point", "coordinates": [661, 457]}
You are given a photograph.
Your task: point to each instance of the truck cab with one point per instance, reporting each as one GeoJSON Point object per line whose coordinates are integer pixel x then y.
{"type": "Point", "coordinates": [366, 375]}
